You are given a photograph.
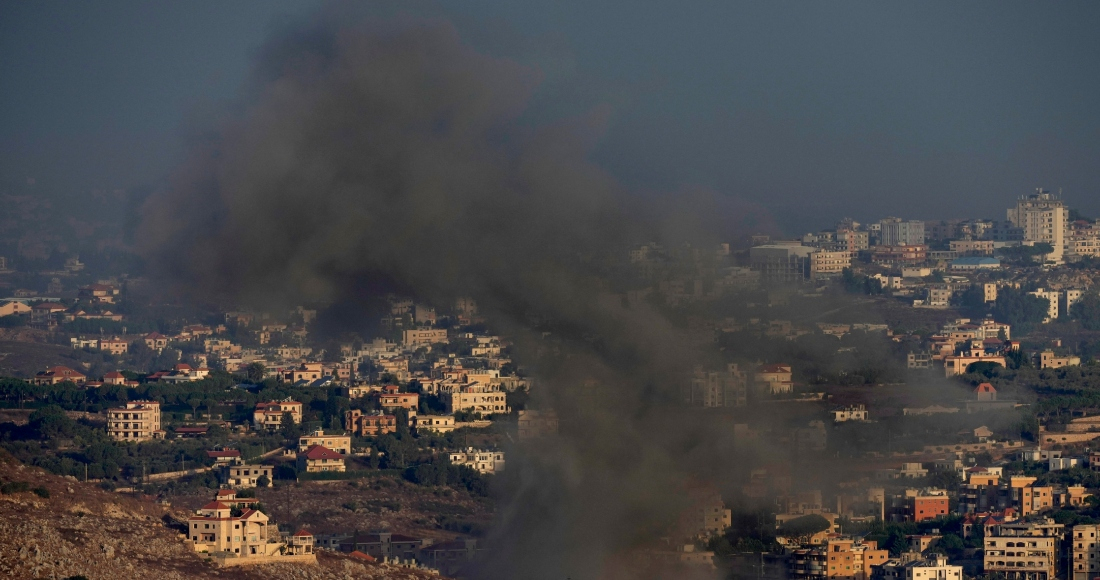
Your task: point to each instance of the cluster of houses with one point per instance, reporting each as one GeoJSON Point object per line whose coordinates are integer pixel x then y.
{"type": "Point", "coordinates": [964, 342]}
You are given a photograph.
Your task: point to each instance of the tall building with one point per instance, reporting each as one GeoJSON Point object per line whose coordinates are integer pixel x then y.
{"type": "Point", "coordinates": [898, 232]}
{"type": "Point", "coordinates": [1085, 556]}
{"type": "Point", "coordinates": [1024, 551]}
{"type": "Point", "coordinates": [1044, 218]}
{"type": "Point", "coordinates": [782, 262]}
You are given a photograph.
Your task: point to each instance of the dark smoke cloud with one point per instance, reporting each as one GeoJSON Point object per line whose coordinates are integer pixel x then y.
{"type": "Point", "coordinates": [373, 153]}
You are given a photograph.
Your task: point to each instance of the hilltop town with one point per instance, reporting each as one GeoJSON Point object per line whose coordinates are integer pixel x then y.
{"type": "Point", "coordinates": [908, 399]}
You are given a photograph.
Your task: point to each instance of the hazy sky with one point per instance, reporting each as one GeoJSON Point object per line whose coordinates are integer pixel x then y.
{"type": "Point", "coordinates": [816, 110]}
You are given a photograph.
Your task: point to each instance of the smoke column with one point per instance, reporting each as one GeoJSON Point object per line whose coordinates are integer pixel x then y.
{"type": "Point", "coordinates": [369, 151]}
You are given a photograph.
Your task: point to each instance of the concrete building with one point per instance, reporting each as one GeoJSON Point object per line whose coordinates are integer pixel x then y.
{"type": "Point", "coordinates": [1048, 360]}
{"type": "Point", "coordinates": [137, 421]}
{"type": "Point", "coordinates": [435, 423]}
{"type": "Point", "coordinates": [270, 415]}
{"type": "Point", "coordinates": [1051, 296]}
{"type": "Point", "coordinates": [933, 568]}
{"type": "Point", "coordinates": [1084, 552]}
{"type": "Point", "coordinates": [533, 424]}
{"type": "Point", "coordinates": [827, 264]}
{"type": "Point", "coordinates": [972, 247]}
{"type": "Point", "coordinates": [782, 262]}
{"type": "Point", "coordinates": [719, 389]}
{"type": "Point", "coordinates": [318, 459]}
{"type": "Point", "coordinates": [850, 413]}
{"type": "Point", "coordinates": [369, 425]}
{"type": "Point", "coordinates": [1044, 218]}
{"type": "Point", "coordinates": [1024, 551]}
{"type": "Point", "coordinates": [774, 379]}
{"type": "Point", "coordinates": [339, 443]}
{"type": "Point", "coordinates": [972, 263]}
{"type": "Point", "coordinates": [423, 337]}
{"type": "Point", "coordinates": [478, 399]}
{"type": "Point", "coordinates": [897, 232]}
{"type": "Point", "coordinates": [243, 475]}
{"type": "Point", "coordinates": [478, 460]}
{"type": "Point", "coordinates": [213, 529]}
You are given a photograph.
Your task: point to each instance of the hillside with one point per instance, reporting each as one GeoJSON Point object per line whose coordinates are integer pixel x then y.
{"type": "Point", "coordinates": [60, 528]}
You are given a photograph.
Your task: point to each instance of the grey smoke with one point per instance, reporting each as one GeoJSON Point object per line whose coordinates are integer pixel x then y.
{"type": "Point", "coordinates": [388, 149]}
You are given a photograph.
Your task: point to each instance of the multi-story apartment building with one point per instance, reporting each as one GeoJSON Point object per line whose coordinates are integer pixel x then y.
{"type": "Point", "coordinates": [478, 460]}
{"type": "Point", "coordinates": [1048, 360]}
{"type": "Point", "coordinates": [534, 423]}
{"type": "Point", "coordinates": [1044, 218]}
{"type": "Point", "coordinates": [928, 504]}
{"type": "Point", "coordinates": [719, 389]}
{"type": "Point", "coordinates": [781, 262]}
{"type": "Point", "coordinates": [477, 398]}
{"type": "Point", "coordinates": [137, 421]}
{"type": "Point", "coordinates": [1024, 551]}
{"type": "Point", "coordinates": [893, 254]}
{"type": "Point", "coordinates": [853, 559]}
{"type": "Point", "coordinates": [393, 400]}
{"type": "Point", "coordinates": [368, 425]}
{"type": "Point", "coordinates": [1084, 552]}
{"type": "Point", "coordinates": [1029, 498]}
{"type": "Point", "coordinates": [339, 443]}
{"type": "Point", "coordinates": [1053, 298]}
{"type": "Point", "coordinates": [826, 264]}
{"type": "Point", "coordinates": [972, 247]}
{"type": "Point", "coordinates": [214, 529]}
{"type": "Point", "coordinates": [898, 232]}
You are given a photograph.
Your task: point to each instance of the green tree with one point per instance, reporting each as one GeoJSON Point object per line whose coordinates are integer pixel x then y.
{"type": "Point", "coordinates": [1087, 311]}
{"type": "Point", "coordinates": [1020, 309]}
{"type": "Point", "coordinates": [255, 372]}
{"type": "Point", "coordinates": [290, 430]}
{"type": "Point", "coordinates": [804, 527]}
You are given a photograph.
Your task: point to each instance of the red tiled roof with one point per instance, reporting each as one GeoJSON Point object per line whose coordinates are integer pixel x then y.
{"type": "Point", "coordinates": [215, 505]}
{"type": "Point", "coordinates": [362, 556]}
{"type": "Point", "coordinates": [302, 533]}
{"type": "Point", "coordinates": [225, 492]}
{"type": "Point", "coordinates": [985, 388]}
{"type": "Point", "coordinates": [223, 453]}
{"type": "Point", "coordinates": [114, 375]}
{"type": "Point", "coordinates": [321, 452]}
{"type": "Point", "coordinates": [777, 368]}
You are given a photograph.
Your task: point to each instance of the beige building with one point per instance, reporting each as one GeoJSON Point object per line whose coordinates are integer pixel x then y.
{"type": "Point", "coordinates": [532, 423]}
{"type": "Point", "coordinates": [478, 399]}
{"type": "Point", "coordinates": [1044, 218]}
{"type": "Point", "coordinates": [933, 568]}
{"type": "Point", "coordinates": [137, 421]}
{"type": "Point", "coordinates": [243, 476]}
{"type": "Point", "coordinates": [422, 337]}
{"type": "Point", "coordinates": [213, 529]}
{"type": "Point", "coordinates": [339, 443]}
{"type": "Point", "coordinates": [478, 460]}
{"type": "Point", "coordinates": [719, 389]}
{"type": "Point", "coordinates": [972, 247]}
{"type": "Point", "coordinates": [1084, 552]}
{"type": "Point", "coordinates": [435, 423]}
{"type": "Point", "coordinates": [775, 378]}
{"type": "Point", "coordinates": [369, 425]}
{"type": "Point", "coordinates": [1023, 551]}
{"type": "Point", "coordinates": [1051, 296]}
{"type": "Point", "coordinates": [825, 264]}
{"type": "Point", "coordinates": [1048, 360]}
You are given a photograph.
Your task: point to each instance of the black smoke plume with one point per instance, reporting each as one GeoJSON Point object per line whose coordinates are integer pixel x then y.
{"type": "Point", "coordinates": [387, 153]}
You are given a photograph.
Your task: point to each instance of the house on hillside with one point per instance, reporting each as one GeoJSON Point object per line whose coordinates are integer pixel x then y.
{"type": "Point", "coordinates": [774, 379]}
{"type": "Point", "coordinates": [59, 374]}
{"type": "Point", "coordinates": [319, 458]}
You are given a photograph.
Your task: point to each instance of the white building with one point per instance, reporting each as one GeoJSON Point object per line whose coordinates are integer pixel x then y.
{"type": "Point", "coordinates": [481, 461]}
{"type": "Point", "coordinates": [1051, 296]}
{"type": "Point", "coordinates": [934, 568]}
{"type": "Point", "coordinates": [850, 413]}
{"type": "Point", "coordinates": [896, 232]}
{"type": "Point", "coordinates": [1044, 218]}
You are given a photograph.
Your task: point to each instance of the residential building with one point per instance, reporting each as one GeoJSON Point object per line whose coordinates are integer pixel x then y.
{"type": "Point", "coordinates": [972, 263]}
{"type": "Point", "coordinates": [213, 529]}
{"type": "Point", "coordinates": [114, 378]}
{"type": "Point", "coordinates": [339, 443]}
{"type": "Point", "coordinates": [319, 458]}
{"type": "Point", "coordinates": [896, 232]}
{"type": "Point", "coordinates": [1085, 552]}
{"type": "Point", "coordinates": [242, 475]}
{"type": "Point", "coordinates": [928, 504]}
{"type": "Point", "coordinates": [10, 307]}
{"type": "Point", "coordinates": [1023, 551]}
{"type": "Point", "coordinates": [972, 247]}
{"type": "Point", "coordinates": [1044, 218]}
{"type": "Point", "coordinates": [775, 378]}
{"type": "Point", "coordinates": [957, 365]}
{"type": "Point", "coordinates": [719, 389]}
{"type": "Point", "coordinates": [826, 264]}
{"type": "Point", "coordinates": [478, 460]}
{"type": "Point", "coordinates": [156, 341]}
{"type": "Point", "coordinates": [849, 559]}
{"type": "Point", "coordinates": [919, 360]}
{"type": "Point", "coordinates": [224, 456]}
{"type": "Point", "coordinates": [423, 337]}
{"type": "Point", "coordinates": [270, 415]}
{"type": "Point", "coordinates": [437, 423]}
{"type": "Point", "coordinates": [369, 425]}
{"type": "Point", "coordinates": [899, 254]}
{"type": "Point", "coordinates": [1053, 298]}
{"type": "Point", "coordinates": [478, 399]}
{"type": "Point", "coordinates": [137, 421]}
{"type": "Point", "coordinates": [384, 545]}
{"type": "Point", "coordinates": [782, 262]}
{"type": "Point", "coordinates": [935, 567]}
{"type": "Point", "coordinates": [59, 374]}
{"type": "Point", "coordinates": [391, 401]}
{"type": "Point", "coordinates": [850, 413]}
{"type": "Point", "coordinates": [1048, 360]}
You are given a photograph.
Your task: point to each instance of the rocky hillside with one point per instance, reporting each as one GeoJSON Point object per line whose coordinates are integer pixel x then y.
{"type": "Point", "coordinates": [53, 527]}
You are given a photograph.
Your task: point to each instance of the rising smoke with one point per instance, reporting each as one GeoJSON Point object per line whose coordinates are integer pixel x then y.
{"type": "Point", "coordinates": [387, 152]}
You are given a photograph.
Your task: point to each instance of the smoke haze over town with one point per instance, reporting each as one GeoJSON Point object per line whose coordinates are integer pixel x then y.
{"type": "Point", "coordinates": [502, 291]}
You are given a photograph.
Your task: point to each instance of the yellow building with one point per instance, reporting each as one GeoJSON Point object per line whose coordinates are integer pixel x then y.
{"type": "Point", "coordinates": [435, 423]}
{"type": "Point", "coordinates": [338, 443]}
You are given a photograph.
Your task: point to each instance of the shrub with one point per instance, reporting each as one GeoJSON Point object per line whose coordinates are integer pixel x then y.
{"type": "Point", "coordinates": [41, 492]}
{"type": "Point", "coordinates": [14, 487]}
